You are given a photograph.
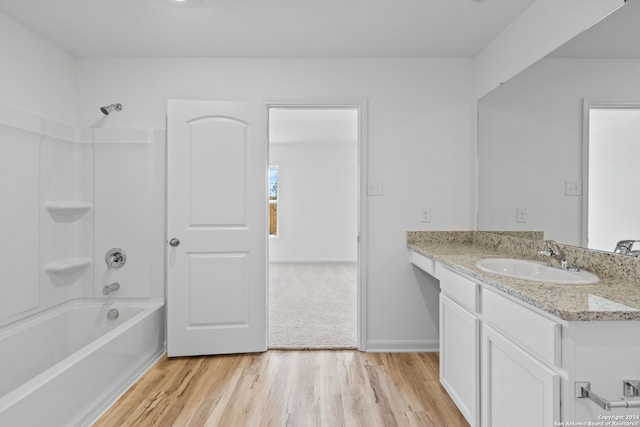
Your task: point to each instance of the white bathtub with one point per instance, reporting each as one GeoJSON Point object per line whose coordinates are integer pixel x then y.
{"type": "Point", "coordinates": [63, 367]}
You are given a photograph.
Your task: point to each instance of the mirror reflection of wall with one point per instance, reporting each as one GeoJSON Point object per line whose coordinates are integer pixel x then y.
{"type": "Point", "coordinates": [613, 196]}
{"type": "Point", "coordinates": [530, 130]}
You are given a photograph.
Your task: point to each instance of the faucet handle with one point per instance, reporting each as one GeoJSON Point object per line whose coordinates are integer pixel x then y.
{"type": "Point", "coordinates": [565, 266]}
{"type": "Point", "coordinates": [115, 258]}
{"type": "Point", "coordinates": [624, 246]}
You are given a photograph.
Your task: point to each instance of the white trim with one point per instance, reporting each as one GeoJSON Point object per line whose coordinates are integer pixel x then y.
{"type": "Point", "coordinates": [362, 228]}
{"type": "Point", "coordinates": [312, 260]}
{"type": "Point", "coordinates": [587, 104]}
{"type": "Point", "coordinates": [401, 346]}
{"type": "Point", "coordinates": [584, 226]}
{"type": "Point", "coordinates": [363, 222]}
{"type": "Point", "coordinates": [314, 142]}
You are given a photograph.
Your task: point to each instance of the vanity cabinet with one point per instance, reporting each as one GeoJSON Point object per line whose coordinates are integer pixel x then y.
{"type": "Point", "coordinates": [486, 339]}
{"type": "Point", "coordinates": [459, 345]}
{"type": "Point", "coordinates": [499, 359]}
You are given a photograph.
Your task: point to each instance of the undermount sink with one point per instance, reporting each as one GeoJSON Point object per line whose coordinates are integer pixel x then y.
{"type": "Point", "coordinates": [536, 271]}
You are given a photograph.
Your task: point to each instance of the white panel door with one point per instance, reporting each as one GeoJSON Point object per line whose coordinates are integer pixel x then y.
{"type": "Point", "coordinates": [216, 227]}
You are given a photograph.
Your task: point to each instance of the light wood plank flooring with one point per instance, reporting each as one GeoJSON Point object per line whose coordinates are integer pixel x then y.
{"type": "Point", "coordinates": [289, 388]}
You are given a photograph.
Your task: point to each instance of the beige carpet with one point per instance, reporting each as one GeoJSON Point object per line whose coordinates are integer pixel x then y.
{"type": "Point", "coordinates": [312, 305]}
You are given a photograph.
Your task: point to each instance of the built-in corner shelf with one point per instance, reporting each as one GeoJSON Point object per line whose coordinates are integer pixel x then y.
{"type": "Point", "coordinates": [67, 211]}
{"type": "Point", "coordinates": [68, 266]}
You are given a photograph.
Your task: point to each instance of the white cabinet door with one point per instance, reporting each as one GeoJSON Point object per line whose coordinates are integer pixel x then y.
{"type": "Point", "coordinates": [516, 388]}
{"type": "Point", "coordinates": [459, 349]}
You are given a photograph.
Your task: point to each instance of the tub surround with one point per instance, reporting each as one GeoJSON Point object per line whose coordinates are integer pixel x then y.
{"type": "Point", "coordinates": [615, 297]}
{"type": "Point", "coordinates": [73, 194]}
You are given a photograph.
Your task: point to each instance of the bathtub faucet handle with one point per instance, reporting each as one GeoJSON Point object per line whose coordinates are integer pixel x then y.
{"type": "Point", "coordinates": [115, 258]}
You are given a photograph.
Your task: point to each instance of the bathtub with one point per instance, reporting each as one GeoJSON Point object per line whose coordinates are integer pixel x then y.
{"type": "Point", "coordinates": [65, 366]}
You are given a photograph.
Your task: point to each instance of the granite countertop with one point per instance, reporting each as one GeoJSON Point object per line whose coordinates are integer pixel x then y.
{"type": "Point", "coordinates": [610, 299]}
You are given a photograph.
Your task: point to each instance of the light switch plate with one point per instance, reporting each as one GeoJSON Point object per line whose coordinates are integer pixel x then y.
{"type": "Point", "coordinates": [521, 215]}
{"type": "Point", "coordinates": [374, 188]}
{"type": "Point", "coordinates": [572, 188]}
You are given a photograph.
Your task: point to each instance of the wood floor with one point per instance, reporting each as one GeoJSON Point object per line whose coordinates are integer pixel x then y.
{"type": "Point", "coordinates": [289, 388]}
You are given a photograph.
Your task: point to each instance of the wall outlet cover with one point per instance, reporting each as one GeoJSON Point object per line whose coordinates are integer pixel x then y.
{"type": "Point", "coordinates": [425, 214]}
{"type": "Point", "coordinates": [374, 188]}
{"type": "Point", "coordinates": [572, 188]}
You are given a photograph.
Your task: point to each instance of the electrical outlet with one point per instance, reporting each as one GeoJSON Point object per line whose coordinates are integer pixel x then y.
{"type": "Point", "coordinates": [425, 214]}
{"type": "Point", "coordinates": [521, 215]}
{"type": "Point", "coordinates": [572, 188]}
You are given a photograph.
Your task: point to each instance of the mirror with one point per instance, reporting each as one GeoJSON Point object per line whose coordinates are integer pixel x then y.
{"type": "Point", "coordinates": [530, 131]}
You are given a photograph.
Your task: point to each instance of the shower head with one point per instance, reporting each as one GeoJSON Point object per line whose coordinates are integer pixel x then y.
{"type": "Point", "coordinates": [109, 108]}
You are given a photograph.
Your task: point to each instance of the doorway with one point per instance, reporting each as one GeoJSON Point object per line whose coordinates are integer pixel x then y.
{"type": "Point", "coordinates": [611, 153]}
{"type": "Point", "coordinates": [314, 192]}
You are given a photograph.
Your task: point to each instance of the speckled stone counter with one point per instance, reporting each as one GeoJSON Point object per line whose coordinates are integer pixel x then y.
{"type": "Point", "coordinates": [615, 297]}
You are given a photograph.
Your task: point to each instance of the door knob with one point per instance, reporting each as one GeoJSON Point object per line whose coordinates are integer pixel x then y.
{"type": "Point", "coordinates": [174, 242]}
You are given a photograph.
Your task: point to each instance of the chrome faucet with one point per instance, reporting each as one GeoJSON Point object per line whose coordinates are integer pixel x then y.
{"type": "Point", "coordinates": [109, 289]}
{"type": "Point", "coordinates": [623, 247]}
{"type": "Point", "coordinates": [557, 257]}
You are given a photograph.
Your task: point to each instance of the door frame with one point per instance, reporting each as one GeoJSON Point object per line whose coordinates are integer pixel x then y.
{"type": "Point", "coordinates": [587, 104]}
{"type": "Point", "coordinates": [362, 209]}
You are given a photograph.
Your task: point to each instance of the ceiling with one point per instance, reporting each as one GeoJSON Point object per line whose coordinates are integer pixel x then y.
{"type": "Point", "coordinates": [616, 36]}
{"type": "Point", "coordinates": [267, 28]}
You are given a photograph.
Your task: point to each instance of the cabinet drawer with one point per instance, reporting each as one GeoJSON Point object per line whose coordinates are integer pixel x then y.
{"type": "Point", "coordinates": [458, 287]}
{"type": "Point", "coordinates": [536, 333]}
{"type": "Point", "coordinates": [422, 262]}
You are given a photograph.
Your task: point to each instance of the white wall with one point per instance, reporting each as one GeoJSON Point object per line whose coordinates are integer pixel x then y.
{"type": "Point", "coordinates": [530, 141]}
{"type": "Point", "coordinates": [37, 152]}
{"type": "Point", "coordinates": [36, 75]}
{"type": "Point", "coordinates": [317, 209]}
{"type": "Point", "coordinates": [420, 128]}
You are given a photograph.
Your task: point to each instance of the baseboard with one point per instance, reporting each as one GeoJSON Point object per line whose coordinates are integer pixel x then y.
{"type": "Point", "coordinates": [311, 260]}
{"type": "Point", "coordinates": [402, 346]}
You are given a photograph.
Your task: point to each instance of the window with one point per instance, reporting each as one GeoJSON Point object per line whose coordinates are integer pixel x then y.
{"type": "Point", "coordinates": [273, 200]}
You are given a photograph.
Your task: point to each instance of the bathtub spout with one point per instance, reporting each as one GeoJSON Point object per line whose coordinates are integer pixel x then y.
{"type": "Point", "coordinates": [109, 289]}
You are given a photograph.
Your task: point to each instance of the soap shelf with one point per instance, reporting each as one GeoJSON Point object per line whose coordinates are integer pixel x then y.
{"type": "Point", "coordinates": [68, 266]}
{"type": "Point", "coordinates": [67, 211]}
